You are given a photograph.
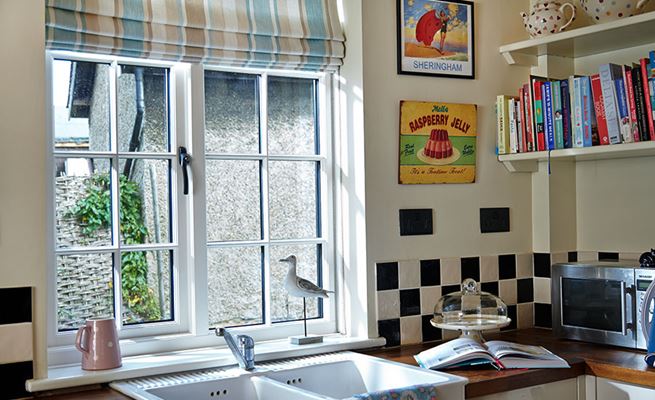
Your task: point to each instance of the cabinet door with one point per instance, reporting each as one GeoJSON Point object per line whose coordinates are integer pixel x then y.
{"type": "Point", "coordinates": [612, 390]}
{"type": "Point", "coordinates": [562, 390]}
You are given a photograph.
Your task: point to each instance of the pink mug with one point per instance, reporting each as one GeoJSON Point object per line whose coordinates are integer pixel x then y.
{"type": "Point", "coordinates": [98, 342]}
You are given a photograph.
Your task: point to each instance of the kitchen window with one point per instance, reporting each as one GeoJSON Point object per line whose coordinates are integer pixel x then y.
{"type": "Point", "coordinates": [129, 244]}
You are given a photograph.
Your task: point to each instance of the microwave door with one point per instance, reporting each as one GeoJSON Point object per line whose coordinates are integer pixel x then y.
{"type": "Point", "coordinates": [595, 304]}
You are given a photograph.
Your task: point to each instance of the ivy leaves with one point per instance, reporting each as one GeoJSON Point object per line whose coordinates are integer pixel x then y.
{"type": "Point", "coordinates": [93, 212]}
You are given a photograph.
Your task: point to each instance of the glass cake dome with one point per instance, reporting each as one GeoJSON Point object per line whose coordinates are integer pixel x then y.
{"type": "Point", "coordinates": [470, 311]}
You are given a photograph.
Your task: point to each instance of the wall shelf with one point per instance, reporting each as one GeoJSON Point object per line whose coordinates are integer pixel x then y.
{"type": "Point", "coordinates": [595, 39]}
{"type": "Point", "coordinates": [527, 162]}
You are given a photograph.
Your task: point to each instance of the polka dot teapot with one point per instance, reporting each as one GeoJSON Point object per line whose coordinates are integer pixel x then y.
{"type": "Point", "coordinates": [610, 10]}
{"type": "Point", "coordinates": [547, 17]}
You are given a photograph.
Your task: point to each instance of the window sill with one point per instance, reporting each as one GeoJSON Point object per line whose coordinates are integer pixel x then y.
{"type": "Point", "coordinates": [165, 363]}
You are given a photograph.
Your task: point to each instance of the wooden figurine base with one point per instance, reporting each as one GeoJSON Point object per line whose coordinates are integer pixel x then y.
{"type": "Point", "coordinates": [309, 339]}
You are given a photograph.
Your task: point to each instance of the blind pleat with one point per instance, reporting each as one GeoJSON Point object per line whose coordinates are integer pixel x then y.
{"type": "Point", "coordinates": [290, 34]}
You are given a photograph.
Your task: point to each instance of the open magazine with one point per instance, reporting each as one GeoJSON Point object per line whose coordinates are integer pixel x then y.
{"type": "Point", "coordinates": [500, 354]}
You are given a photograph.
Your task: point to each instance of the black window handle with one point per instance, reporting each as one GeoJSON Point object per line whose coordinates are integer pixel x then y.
{"type": "Point", "coordinates": [184, 159]}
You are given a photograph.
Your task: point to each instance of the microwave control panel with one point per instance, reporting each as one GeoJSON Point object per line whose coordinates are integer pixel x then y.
{"type": "Point", "coordinates": [643, 278]}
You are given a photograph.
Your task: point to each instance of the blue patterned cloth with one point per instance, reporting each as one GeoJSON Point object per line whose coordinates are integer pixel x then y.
{"type": "Point", "coordinates": [419, 392]}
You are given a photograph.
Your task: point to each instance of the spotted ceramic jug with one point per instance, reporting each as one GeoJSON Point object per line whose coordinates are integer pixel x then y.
{"type": "Point", "coordinates": [605, 10]}
{"type": "Point", "coordinates": [546, 17]}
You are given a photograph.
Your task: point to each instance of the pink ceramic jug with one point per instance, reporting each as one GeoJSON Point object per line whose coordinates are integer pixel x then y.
{"type": "Point", "coordinates": [98, 342]}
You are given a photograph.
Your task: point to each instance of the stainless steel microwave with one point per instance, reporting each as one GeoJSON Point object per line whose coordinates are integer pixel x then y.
{"type": "Point", "coordinates": [599, 302]}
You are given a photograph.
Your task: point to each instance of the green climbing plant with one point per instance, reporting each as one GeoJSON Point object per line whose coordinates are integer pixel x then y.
{"type": "Point", "coordinates": [94, 213]}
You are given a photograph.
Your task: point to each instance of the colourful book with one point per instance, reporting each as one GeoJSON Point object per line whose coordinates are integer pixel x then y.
{"type": "Point", "coordinates": [502, 120]}
{"type": "Point", "coordinates": [558, 123]}
{"type": "Point", "coordinates": [640, 103]}
{"type": "Point", "coordinates": [566, 113]}
{"type": "Point", "coordinates": [624, 112]}
{"type": "Point", "coordinates": [548, 115]}
{"type": "Point", "coordinates": [578, 129]}
{"type": "Point", "coordinates": [539, 121]}
{"type": "Point", "coordinates": [520, 122]}
{"type": "Point", "coordinates": [599, 108]}
{"type": "Point", "coordinates": [632, 105]}
{"type": "Point", "coordinates": [588, 118]}
{"type": "Point", "coordinates": [648, 109]}
{"type": "Point", "coordinates": [513, 132]}
{"type": "Point", "coordinates": [608, 74]}
{"type": "Point", "coordinates": [523, 143]}
{"type": "Point", "coordinates": [529, 126]}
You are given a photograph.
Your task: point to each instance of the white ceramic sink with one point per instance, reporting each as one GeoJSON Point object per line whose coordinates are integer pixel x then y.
{"type": "Point", "coordinates": [333, 376]}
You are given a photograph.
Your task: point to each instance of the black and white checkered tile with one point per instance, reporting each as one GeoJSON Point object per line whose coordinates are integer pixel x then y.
{"type": "Point", "coordinates": [407, 292]}
{"type": "Point", "coordinates": [16, 353]}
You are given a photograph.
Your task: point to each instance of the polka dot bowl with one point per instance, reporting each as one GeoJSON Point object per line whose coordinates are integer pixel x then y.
{"type": "Point", "coordinates": [610, 10]}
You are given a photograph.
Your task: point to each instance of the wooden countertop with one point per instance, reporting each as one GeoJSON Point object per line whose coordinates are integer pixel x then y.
{"type": "Point", "coordinates": [585, 358]}
{"type": "Point", "coordinates": [604, 361]}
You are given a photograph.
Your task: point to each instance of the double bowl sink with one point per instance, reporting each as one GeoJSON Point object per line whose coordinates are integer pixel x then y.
{"type": "Point", "coordinates": [325, 377]}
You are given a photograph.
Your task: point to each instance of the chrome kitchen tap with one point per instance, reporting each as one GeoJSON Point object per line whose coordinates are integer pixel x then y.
{"type": "Point", "coordinates": [242, 347]}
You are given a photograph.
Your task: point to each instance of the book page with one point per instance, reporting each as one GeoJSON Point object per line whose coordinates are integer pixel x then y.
{"type": "Point", "coordinates": [500, 348]}
{"type": "Point", "coordinates": [452, 352]}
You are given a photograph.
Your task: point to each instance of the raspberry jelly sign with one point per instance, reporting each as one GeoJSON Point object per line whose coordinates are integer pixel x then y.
{"type": "Point", "coordinates": [437, 142]}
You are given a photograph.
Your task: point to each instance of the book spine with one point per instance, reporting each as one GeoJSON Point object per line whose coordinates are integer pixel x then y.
{"type": "Point", "coordinates": [609, 99]}
{"type": "Point", "coordinates": [648, 109]}
{"type": "Point", "coordinates": [523, 147]}
{"type": "Point", "coordinates": [587, 111]}
{"type": "Point", "coordinates": [578, 129]}
{"type": "Point", "coordinates": [501, 123]}
{"type": "Point", "coordinates": [599, 107]}
{"type": "Point", "coordinates": [640, 104]}
{"type": "Point", "coordinates": [589, 119]}
{"type": "Point", "coordinates": [539, 116]}
{"type": "Point", "coordinates": [632, 105]}
{"type": "Point", "coordinates": [548, 114]}
{"type": "Point", "coordinates": [557, 114]}
{"type": "Point", "coordinates": [566, 113]}
{"type": "Point", "coordinates": [513, 143]}
{"type": "Point", "coordinates": [529, 126]}
{"type": "Point", "coordinates": [624, 112]}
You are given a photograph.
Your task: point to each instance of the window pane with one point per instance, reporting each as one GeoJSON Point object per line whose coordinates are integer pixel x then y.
{"type": "Point", "coordinates": [142, 109]}
{"type": "Point", "coordinates": [231, 113]}
{"type": "Point", "coordinates": [83, 202]}
{"type": "Point", "coordinates": [235, 286]}
{"type": "Point", "coordinates": [84, 289]}
{"type": "Point", "coordinates": [146, 285]}
{"type": "Point", "coordinates": [80, 105]}
{"type": "Point", "coordinates": [292, 116]}
{"type": "Point", "coordinates": [293, 194]}
{"type": "Point", "coordinates": [233, 200]}
{"type": "Point", "coordinates": [145, 201]}
{"type": "Point", "coordinates": [283, 306]}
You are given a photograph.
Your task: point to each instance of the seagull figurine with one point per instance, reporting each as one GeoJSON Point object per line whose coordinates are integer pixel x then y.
{"type": "Point", "coordinates": [301, 287]}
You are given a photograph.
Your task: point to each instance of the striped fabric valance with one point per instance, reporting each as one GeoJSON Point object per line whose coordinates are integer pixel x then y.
{"type": "Point", "coordinates": [290, 34]}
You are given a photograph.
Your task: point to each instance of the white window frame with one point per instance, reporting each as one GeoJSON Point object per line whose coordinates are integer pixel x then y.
{"type": "Point", "coordinates": [328, 322]}
{"type": "Point", "coordinates": [190, 328]}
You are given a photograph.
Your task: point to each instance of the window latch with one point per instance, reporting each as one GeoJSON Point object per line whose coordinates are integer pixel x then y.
{"type": "Point", "coordinates": [184, 159]}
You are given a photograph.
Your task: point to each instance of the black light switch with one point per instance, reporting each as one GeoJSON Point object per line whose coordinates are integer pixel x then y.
{"type": "Point", "coordinates": [494, 220]}
{"type": "Point", "coordinates": [416, 222]}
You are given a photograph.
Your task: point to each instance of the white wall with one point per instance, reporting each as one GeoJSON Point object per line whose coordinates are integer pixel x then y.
{"type": "Point", "coordinates": [457, 229]}
{"type": "Point", "coordinates": [23, 160]}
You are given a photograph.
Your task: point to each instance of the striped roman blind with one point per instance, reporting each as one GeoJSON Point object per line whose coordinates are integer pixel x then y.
{"type": "Point", "coordinates": [290, 34]}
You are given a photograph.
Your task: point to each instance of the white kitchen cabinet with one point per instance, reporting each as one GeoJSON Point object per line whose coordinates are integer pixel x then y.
{"type": "Point", "coordinates": [612, 390]}
{"type": "Point", "coordinates": [562, 390]}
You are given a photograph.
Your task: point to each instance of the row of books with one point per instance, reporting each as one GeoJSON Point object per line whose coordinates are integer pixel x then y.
{"type": "Point", "coordinates": [616, 105]}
